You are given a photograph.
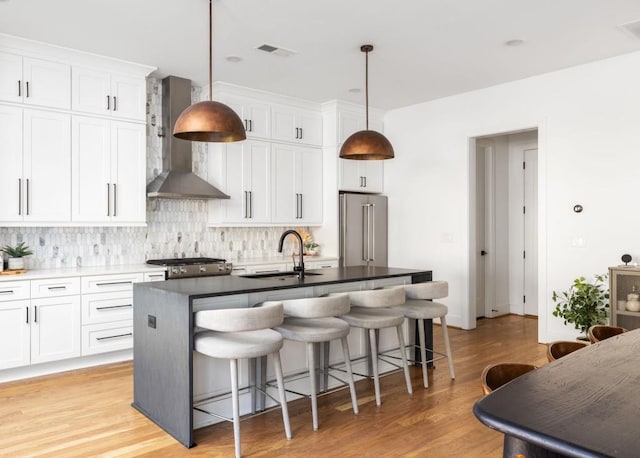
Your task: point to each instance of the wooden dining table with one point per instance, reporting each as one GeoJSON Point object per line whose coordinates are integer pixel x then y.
{"type": "Point", "coordinates": [585, 404]}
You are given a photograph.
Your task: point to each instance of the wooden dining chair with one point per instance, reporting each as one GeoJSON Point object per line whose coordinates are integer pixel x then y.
{"type": "Point", "coordinates": [560, 348]}
{"type": "Point", "coordinates": [496, 375]}
{"type": "Point", "coordinates": [600, 332]}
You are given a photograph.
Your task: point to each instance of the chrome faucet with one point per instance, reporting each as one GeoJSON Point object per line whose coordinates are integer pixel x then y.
{"type": "Point", "coordinates": [300, 267]}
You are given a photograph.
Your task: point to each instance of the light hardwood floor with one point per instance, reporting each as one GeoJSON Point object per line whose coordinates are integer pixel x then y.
{"type": "Point", "coordinates": [87, 413]}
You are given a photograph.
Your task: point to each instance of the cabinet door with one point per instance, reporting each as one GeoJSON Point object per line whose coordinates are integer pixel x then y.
{"type": "Point", "coordinates": [11, 160]}
{"type": "Point", "coordinates": [373, 173]}
{"type": "Point", "coordinates": [285, 167]}
{"type": "Point", "coordinates": [348, 124]}
{"type": "Point", "coordinates": [256, 170]}
{"type": "Point", "coordinates": [225, 172]}
{"type": "Point", "coordinates": [47, 166]}
{"type": "Point", "coordinates": [309, 124]}
{"type": "Point", "coordinates": [90, 89]}
{"type": "Point", "coordinates": [258, 116]}
{"type": "Point", "coordinates": [14, 334]}
{"type": "Point", "coordinates": [361, 176]}
{"type": "Point", "coordinates": [47, 83]}
{"type": "Point", "coordinates": [350, 178]}
{"type": "Point", "coordinates": [11, 80]}
{"type": "Point", "coordinates": [129, 97]}
{"type": "Point", "coordinates": [128, 172]}
{"type": "Point", "coordinates": [283, 121]}
{"type": "Point", "coordinates": [309, 185]}
{"type": "Point", "coordinates": [90, 165]}
{"type": "Point", "coordinates": [55, 329]}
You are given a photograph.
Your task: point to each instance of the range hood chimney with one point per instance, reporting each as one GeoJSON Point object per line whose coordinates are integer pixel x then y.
{"type": "Point", "coordinates": [177, 180]}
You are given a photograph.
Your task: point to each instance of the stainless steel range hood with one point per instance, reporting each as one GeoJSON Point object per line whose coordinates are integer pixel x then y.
{"type": "Point", "coordinates": [177, 180]}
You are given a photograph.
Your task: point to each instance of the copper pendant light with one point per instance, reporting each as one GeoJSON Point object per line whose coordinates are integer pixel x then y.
{"type": "Point", "coordinates": [367, 144]}
{"type": "Point", "coordinates": [209, 121]}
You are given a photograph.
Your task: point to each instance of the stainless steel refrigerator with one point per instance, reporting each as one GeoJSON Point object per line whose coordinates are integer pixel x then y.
{"type": "Point", "coordinates": [363, 230]}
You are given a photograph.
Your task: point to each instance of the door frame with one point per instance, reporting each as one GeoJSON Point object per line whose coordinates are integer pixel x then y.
{"type": "Point", "coordinates": [468, 312]}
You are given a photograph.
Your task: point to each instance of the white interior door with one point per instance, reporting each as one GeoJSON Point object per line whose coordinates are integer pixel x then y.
{"type": "Point", "coordinates": [530, 231]}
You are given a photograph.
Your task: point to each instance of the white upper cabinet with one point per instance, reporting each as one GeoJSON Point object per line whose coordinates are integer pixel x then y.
{"type": "Point", "coordinates": [255, 115]}
{"type": "Point", "coordinates": [36, 82]}
{"type": "Point", "coordinates": [296, 184]}
{"type": "Point", "coordinates": [241, 170]}
{"type": "Point", "coordinates": [108, 164]}
{"type": "Point", "coordinates": [108, 94]}
{"type": "Point", "coordinates": [297, 125]}
{"type": "Point", "coordinates": [35, 177]}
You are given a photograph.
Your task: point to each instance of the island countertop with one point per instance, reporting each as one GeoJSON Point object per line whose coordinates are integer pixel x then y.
{"type": "Point", "coordinates": [226, 285]}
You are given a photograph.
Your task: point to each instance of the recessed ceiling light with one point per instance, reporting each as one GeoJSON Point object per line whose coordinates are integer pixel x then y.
{"type": "Point", "coordinates": [514, 42]}
{"type": "Point", "coordinates": [234, 59]}
{"type": "Point", "coordinates": [355, 90]}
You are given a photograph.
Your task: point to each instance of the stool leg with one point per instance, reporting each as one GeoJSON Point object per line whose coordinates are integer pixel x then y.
{"type": "Point", "coordinates": [277, 365]}
{"type": "Point", "coordinates": [447, 346]}
{"type": "Point", "coordinates": [312, 381]}
{"type": "Point", "coordinates": [236, 405]}
{"type": "Point", "coordinates": [403, 354]}
{"type": "Point", "coordinates": [347, 362]}
{"type": "Point", "coordinates": [374, 364]}
{"type": "Point", "coordinates": [423, 353]}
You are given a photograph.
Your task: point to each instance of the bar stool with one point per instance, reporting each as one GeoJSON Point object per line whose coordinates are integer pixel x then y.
{"type": "Point", "coordinates": [242, 333]}
{"type": "Point", "coordinates": [312, 320]}
{"type": "Point", "coordinates": [369, 310]}
{"type": "Point", "coordinates": [419, 306]}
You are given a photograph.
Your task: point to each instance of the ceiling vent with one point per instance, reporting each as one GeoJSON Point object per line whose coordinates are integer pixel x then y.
{"type": "Point", "coordinates": [632, 28]}
{"type": "Point", "coordinates": [276, 50]}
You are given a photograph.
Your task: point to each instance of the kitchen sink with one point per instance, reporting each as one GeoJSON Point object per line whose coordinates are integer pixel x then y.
{"type": "Point", "coordinates": [279, 275]}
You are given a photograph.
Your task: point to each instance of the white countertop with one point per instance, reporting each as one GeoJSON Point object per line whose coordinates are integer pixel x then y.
{"type": "Point", "coordinates": [81, 272]}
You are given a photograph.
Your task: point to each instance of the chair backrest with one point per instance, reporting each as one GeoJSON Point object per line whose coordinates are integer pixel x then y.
{"type": "Point", "coordinates": [428, 290]}
{"type": "Point", "coordinates": [556, 350]}
{"type": "Point", "coordinates": [241, 319]}
{"type": "Point", "coordinates": [316, 307]}
{"type": "Point", "coordinates": [601, 332]}
{"type": "Point", "coordinates": [496, 375]}
{"type": "Point", "coordinates": [377, 298]}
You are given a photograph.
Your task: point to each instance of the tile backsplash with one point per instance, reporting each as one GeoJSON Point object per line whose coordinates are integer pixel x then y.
{"type": "Point", "coordinates": [175, 228]}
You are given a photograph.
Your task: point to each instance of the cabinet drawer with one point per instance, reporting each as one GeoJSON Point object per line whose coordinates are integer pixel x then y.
{"type": "Point", "coordinates": [109, 283]}
{"type": "Point", "coordinates": [105, 307]}
{"type": "Point", "coordinates": [104, 337]}
{"type": "Point", "coordinates": [14, 290]}
{"type": "Point", "coordinates": [154, 276]}
{"type": "Point", "coordinates": [52, 287]}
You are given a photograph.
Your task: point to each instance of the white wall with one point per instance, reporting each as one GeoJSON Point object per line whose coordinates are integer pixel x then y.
{"type": "Point", "coordinates": [589, 153]}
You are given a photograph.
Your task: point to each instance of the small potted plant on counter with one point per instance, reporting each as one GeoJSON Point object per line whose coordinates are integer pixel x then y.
{"type": "Point", "coordinates": [584, 304]}
{"type": "Point", "coordinates": [16, 255]}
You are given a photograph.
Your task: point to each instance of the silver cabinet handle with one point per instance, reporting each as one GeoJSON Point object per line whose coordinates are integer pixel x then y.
{"type": "Point", "coordinates": [115, 103]}
{"type": "Point", "coordinates": [251, 125]}
{"type": "Point", "coordinates": [115, 198]}
{"type": "Point", "coordinates": [19, 196]}
{"type": "Point", "coordinates": [118, 336]}
{"type": "Point", "coordinates": [35, 313]}
{"type": "Point", "coordinates": [27, 88]}
{"type": "Point", "coordinates": [108, 102]}
{"type": "Point", "coordinates": [111, 283]}
{"type": "Point", "coordinates": [56, 288]}
{"type": "Point", "coordinates": [246, 125]}
{"type": "Point", "coordinates": [28, 196]}
{"type": "Point", "coordinates": [365, 181]}
{"type": "Point", "coordinates": [7, 291]}
{"type": "Point", "coordinates": [372, 240]}
{"type": "Point", "coordinates": [19, 88]}
{"type": "Point", "coordinates": [109, 307]}
{"type": "Point", "coordinates": [27, 308]}
{"type": "Point", "coordinates": [156, 275]}
{"type": "Point", "coordinates": [108, 200]}
{"type": "Point", "coordinates": [250, 204]}
{"type": "Point", "coordinates": [301, 133]}
{"type": "Point", "coordinates": [246, 204]}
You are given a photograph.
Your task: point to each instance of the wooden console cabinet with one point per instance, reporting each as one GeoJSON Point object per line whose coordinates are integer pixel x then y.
{"type": "Point", "coordinates": [622, 281]}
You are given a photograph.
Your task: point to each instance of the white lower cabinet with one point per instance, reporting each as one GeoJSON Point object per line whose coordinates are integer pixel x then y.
{"type": "Point", "coordinates": [55, 328]}
{"type": "Point", "coordinates": [15, 333]}
{"type": "Point", "coordinates": [104, 337]}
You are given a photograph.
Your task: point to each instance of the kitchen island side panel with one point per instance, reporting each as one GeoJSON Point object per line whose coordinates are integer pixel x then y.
{"type": "Point", "coordinates": [162, 375]}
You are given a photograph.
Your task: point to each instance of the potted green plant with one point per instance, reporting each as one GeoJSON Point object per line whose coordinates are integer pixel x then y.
{"type": "Point", "coordinates": [584, 304]}
{"type": "Point", "coordinates": [312, 248]}
{"type": "Point", "coordinates": [16, 255]}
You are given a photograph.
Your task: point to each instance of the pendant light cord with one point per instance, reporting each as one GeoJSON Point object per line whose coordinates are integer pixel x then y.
{"type": "Point", "coordinates": [210, 51]}
{"type": "Point", "coordinates": [366, 87]}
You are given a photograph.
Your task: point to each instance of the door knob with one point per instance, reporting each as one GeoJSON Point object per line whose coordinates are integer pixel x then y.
{"type": "Point", "coordinates": [482, 253]}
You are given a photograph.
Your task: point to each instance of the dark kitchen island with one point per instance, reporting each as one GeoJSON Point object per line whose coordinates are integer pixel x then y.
{"type": "Point", "coordinates": [163, 328]}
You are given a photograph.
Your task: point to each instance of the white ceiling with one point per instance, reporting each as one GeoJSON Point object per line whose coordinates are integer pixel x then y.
{"type": "Point", "coordinates": [424, 49]}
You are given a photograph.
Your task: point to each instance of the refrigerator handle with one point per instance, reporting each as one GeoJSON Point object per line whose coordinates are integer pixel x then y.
{"type": "Point", "coordinates": [365, 232]}
{"type": "Point", "coordinates": [372, 238]}
{"type": "Point", "coordinates": [343, 228]}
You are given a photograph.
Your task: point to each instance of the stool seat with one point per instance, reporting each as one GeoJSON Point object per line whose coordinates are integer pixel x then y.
{"type": "Point", "coordinates": [419, 309]}
{"type": "Point", "coordinates": [372, 318]}
{"type": "Point", "coordinates": [313, 329]}
{"type": "Point", "coordinates": [238, 345]}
